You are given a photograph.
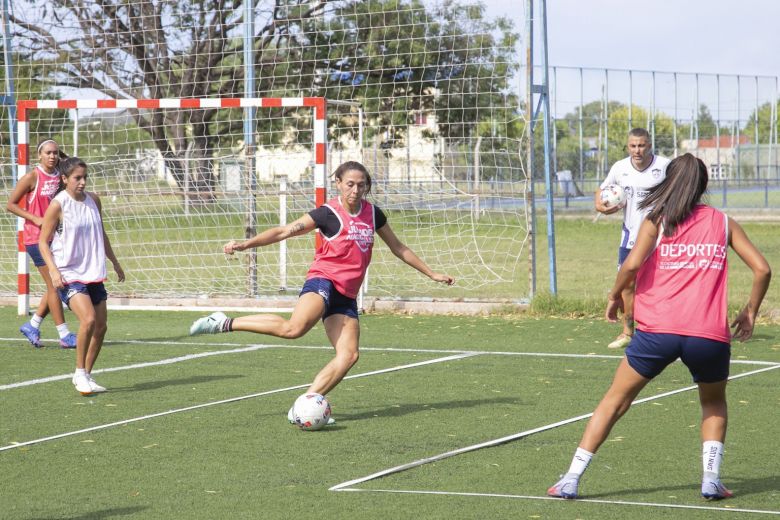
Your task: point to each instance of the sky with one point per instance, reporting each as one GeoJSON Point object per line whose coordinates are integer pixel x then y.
{"type": "Point", "coordinates": [705, 36]}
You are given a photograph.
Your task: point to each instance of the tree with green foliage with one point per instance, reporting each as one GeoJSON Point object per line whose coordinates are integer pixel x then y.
{"type": "Point", "coordinates": [762, 119]}
{"type": "Point", "coordinates": [394, 57]}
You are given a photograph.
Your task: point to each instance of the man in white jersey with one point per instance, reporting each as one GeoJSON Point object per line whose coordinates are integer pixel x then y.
{"type": "Point", "coordinates": [636, 173]}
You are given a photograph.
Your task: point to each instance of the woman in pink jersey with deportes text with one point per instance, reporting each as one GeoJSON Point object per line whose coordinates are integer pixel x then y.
{"type": "Point", "coordinates": [30, 199]}
{"type": "Point", "coordinates": [680, 266]}
{"type": "Point", "coordinates": [347, 225]}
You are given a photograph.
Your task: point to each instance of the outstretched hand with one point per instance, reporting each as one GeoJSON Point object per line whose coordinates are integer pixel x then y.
{"type": "Point", "coordinates": [613, 306]}
{"type": "Point", "coordinates": [230, 247]}
{"type": "Point", "coordinates": [743, 324]}
{"type": "Point", "coordinates": [443, 278]}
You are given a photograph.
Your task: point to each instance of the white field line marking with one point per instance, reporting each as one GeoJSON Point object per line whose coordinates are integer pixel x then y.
{"type": "Point", "coordinates": [389, 349]}
{"type": "Point", "coordinates": [230, 400]}
{"type": "Point", "coordinates": [509, 438]}
{"type": "Point", "coordinates": [251, 348]}
{"type": "Point", "coordinates": [168, 361]}
{"type": "Point", "coordinates": [589, 500]}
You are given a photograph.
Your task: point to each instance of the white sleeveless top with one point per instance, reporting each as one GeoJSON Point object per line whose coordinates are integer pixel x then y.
{"type": "Point", "coordinates": [78, 248]}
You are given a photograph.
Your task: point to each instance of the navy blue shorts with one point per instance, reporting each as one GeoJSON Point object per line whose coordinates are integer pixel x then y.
{"type": "Point", "coordinates": [95, 291]}
{"type": "Point", "coordinates": [707, 360]}
{"type": "Point", "coordinates": [35, 254]}
{"type": "Point", "coordinates": [623, 253]}
{"type": "Point", "coordinates": [335, 302]}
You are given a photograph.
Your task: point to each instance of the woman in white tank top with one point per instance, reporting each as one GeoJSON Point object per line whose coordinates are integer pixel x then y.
{"type": "Point", "coordinates": [76, 261]}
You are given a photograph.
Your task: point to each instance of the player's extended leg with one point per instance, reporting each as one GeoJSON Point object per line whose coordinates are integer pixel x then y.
{"type": "Point", "coordinates": [344, 334]}
{"type": "Point", "coordinates": [714, 421]}
{"type": "Point", "coordinates": [626, 385]}
{"type": "Point", "coordinates": [308, 311]}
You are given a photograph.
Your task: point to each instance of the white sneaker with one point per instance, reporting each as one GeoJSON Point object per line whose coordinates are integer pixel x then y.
{"type": "Point", "coordinates": [713, 489]}
{"type": "Point", "coordinates": [81, 382]}
{"type": "Point", "coordinates": [566, 487]}
{"type": "Point", "coordinates": [211, 324]}
{"type": "Point", "coordinates": [96, 388]}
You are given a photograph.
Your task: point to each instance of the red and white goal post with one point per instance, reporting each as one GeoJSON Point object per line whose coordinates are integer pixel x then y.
{"type": "Point", "coordinates": [24, 108]}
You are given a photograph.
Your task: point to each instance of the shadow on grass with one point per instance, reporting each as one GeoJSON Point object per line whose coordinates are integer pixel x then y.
{"type": "Point", "coordinates": [740, 486]}
{"type": "Point", "coordinates": [410, 408]}
{"type": "Point", "coordinates": [104, 514]}
{"type": "Point", "coordinates": [154, 385]}
{"type": "Point", "coordinates": [136, 341]}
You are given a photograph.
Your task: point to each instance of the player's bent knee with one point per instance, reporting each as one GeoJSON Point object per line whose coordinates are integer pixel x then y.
{"type": "Point", "coordinates": [293, 331]}
{"type": "Point", "coordinates": [350, 358]}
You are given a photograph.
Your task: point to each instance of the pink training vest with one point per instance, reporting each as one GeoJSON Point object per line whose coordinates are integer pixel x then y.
{"type": "Point", "coordinates": [681, 287]}
{"type": "Point", "coordinates": [38, 201]}
{"type": "Point", "coordinates": [343, 259]}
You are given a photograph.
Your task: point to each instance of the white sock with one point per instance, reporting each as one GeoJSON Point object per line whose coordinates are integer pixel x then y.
{"type": "Point", "coordinates": [712, 456]}
{"type": "Point", "coordinates": [580, 461]}
{"type": "Point", "coordinates": [62, 330]}
{"type": "Point", "coordinates": [35, 321]}
{"type": "Point", "coordinates": [81, 372]}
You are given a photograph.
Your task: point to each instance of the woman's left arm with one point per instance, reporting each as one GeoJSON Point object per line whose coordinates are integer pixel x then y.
{"type": "Point", "coordinates": [403, 252]}
{"type": "Point", "coordinates": [106, 242]}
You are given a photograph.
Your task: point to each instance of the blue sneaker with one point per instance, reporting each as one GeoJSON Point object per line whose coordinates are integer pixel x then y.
{"type": "Point", "coordinates": [32, 334]}
{"type": "Point", "coordinates": [68, 341]}
{"type": "Point", "coordinates": [566, 487]}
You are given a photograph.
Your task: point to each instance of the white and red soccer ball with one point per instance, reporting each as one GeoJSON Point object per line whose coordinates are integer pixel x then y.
{"type": "Point", "coordinates": [311, 411]}
{"type": "Point", "coordinates": [613, 196]}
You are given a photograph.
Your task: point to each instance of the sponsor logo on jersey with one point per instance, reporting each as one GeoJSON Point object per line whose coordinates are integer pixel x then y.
{"type": "Point", "coordinates": [362, 234]}
{"type": "Point", "coordinates": [683, 256]}
{"type": "Point", "coordinates": [49, 188]}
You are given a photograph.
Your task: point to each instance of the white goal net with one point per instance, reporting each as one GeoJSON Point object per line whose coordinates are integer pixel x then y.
{"type": "Point", "coordinates": [424, 94]}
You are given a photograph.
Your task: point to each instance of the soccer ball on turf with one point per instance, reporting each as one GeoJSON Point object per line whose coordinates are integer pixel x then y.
{"type": "Point", "coordinates": [311, 411]}
{"type": "Point", "coordinates": [613, 195]}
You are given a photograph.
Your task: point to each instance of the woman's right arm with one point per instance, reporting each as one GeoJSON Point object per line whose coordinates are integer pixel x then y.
{"type": "Point", "coordinates": [25, 185]}
{"type": "Point", "coordinates": [762, 273]}
{"type": "Point", "coordinates": [50, 221]}
{"type": "Point", "coordinates": [271, 236]}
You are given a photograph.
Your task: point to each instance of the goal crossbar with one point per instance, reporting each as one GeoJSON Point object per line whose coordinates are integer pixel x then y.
{"type": "Point", "coordinates": [24, 107]}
